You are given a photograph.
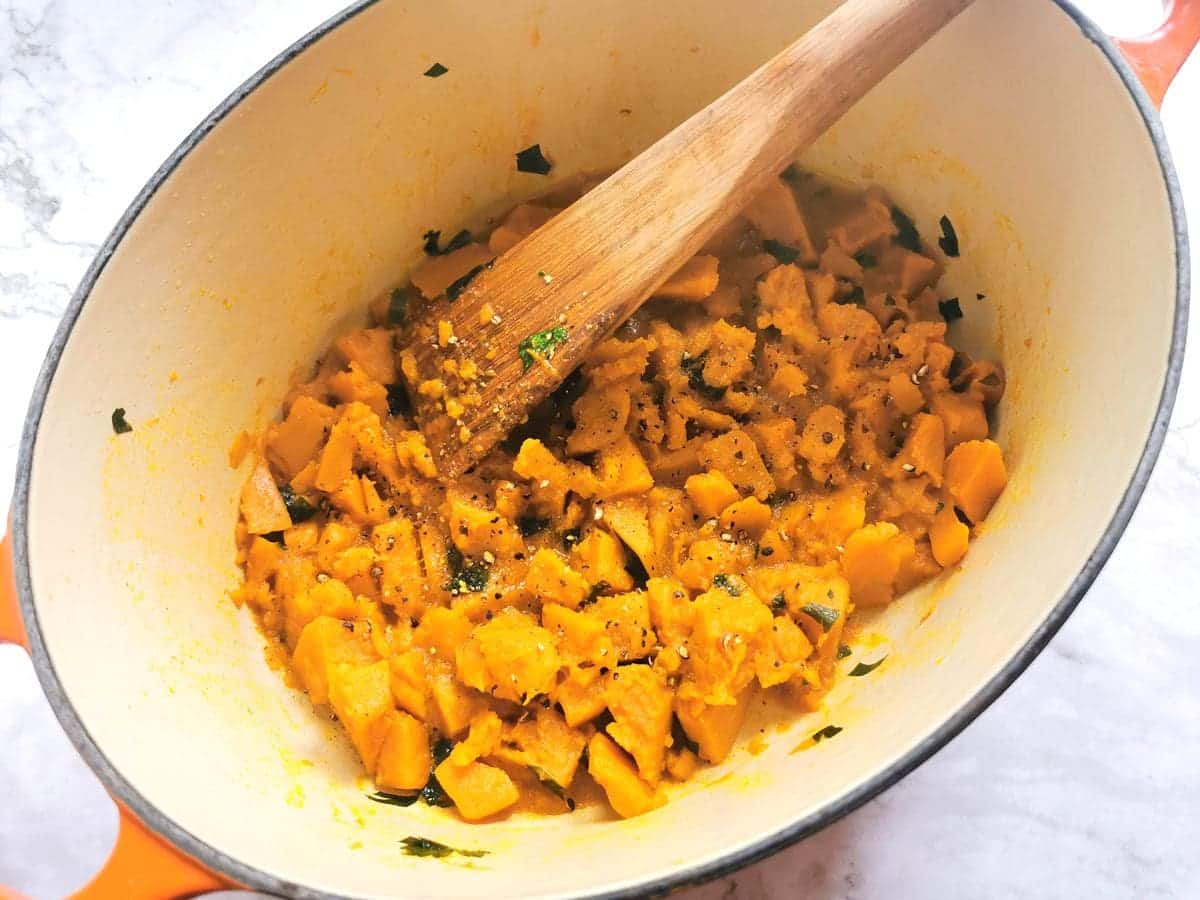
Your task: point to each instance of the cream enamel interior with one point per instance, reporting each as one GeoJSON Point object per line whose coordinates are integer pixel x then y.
{"type": "Point", "coordinates": [310, 197]}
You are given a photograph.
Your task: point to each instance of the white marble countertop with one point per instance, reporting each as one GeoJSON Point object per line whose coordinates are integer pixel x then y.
{"type": "Point", "coordinates": [1083, 780]}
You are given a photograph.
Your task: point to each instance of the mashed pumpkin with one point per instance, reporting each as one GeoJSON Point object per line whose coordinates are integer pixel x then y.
{"type": "Point", "coordinates": [780, 436]}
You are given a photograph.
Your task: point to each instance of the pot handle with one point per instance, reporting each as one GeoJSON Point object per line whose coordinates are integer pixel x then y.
{"type": "Point", "coordinates": [11, 629]}
{"type": "Point", "coordinates": [144, 867]}
{"type": "Point", "coordinates": [141, 866]}
{"type": "Point", "coordinates": [1157, 57]}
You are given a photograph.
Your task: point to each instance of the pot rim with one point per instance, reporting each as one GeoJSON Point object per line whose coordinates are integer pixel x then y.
{"type": "Point", "coordinates": [701, 871]}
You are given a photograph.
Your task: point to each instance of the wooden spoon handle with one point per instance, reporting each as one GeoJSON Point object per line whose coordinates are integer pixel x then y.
{"type": "Point", "coordinates": [591, 267]}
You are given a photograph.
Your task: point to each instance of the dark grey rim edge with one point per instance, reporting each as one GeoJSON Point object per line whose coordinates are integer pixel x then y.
{"type": "Point", "coordinates": [252, 877]}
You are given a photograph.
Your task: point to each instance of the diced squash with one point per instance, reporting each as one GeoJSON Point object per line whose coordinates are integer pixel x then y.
{"type": "Point", "coordinates": [727, 629]}
{"type": "Point", "coordinates": [824, 435]}
{"type": "Point", "coordinates": [640, 703]}
{"type": "Point", "coordinates": [511, 657]}
{"type": "Point", "coordinates": [730, 355]}
{"type": "Point", "coordinates": [443, 630]}
{"type": "Point", "coordinates": [404, 760]}
{"type": "Point", "coordinates": [872, 560]}
{"type": "Point", "coordinates": [354, 384]}
{"type": "Point", "coordinates": [262, 559]}
{"type": "Point", "coordinates": [710, 493]}
{"type": "Point", "coordinates": [735, 455]}
{"type": "Point", "coordinates": [262, 507]}
{"type": "Point", "coordinates": [600, 558]}
{"type": "Point", "coordinates": [627, 519]}
{"type": "Point", "coordinates": [581, 696]}
{"type": "Point", "coordinates": [298, 438]}
{"type": "Point", "coordinates": [695, 280]}
{"type": "Point", "coordinates": [870, 223]}
{"type": "Point", "coordinates": [581, 636]}
{"type": "Point", "coordinates": [962, 416]}
{"type": "Point", "coordinates": [336, 465]}
{"type": "Point", "coordinates": [409, 688]}
{"type": "Point", "coordinates": [551, 745]}
{"type": "Point", "coordinates": [553, 581]}
{"type": "Point", "coordinates": [362, 699]}
{"type": "Point", "coordinates": [975, 476]}
{"type": "Point", "coordinates": [688, 522]}
{"type": "Point", "coordinates": [600, 417]}
{"type": "Point", "coordinates": [622, 471]}
{"type": "Point", "coordinates": [613, 771]}
{"type": "Point", "coordinates": [438, 272]}
{"type": "Point", "coordinates": [750, 517]}
{"type": "Point", "coordinates": [924, 450]}
{"type": "Point", "coordinates": [776, 215]}
{"type": "Point", "coordinates": [626, 619]}
{"type": "Point", "coordinates": [372, 351]}
{"type": "Point", "coordinates": [948, 538]}
{"type": "Point", "coordinates": [326, 642]}
{"type": "Point", "coordinates": [714, 729]}
{"type": "Point", "coordinates": [477, 789]}
{"type": "Point", "coordinates": [476, 529]}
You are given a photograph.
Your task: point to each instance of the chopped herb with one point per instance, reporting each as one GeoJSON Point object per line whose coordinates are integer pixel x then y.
{"type": "Point", "coordinates": [437, 70]}
{"type": "Point", "coordinates": [679, 737]}
{"type": "Point", "coordinates": [694, 366]}
{"type": "Point", "coordinates": [394, 799]}
{"type": "Point", "coordinates": [779, 603]}
{"type": "Point", "coordinates": [460, 284]}
{"type": "Point", "coordinates": [465, 579]}
{"type": "Point", "coordinates": [949, 239]}
{"type": "Point", "coordinates": [119, 425]}
{"type": "Point", "coordinates": [781, 252]}
{"type": "Point", "coordinates": [531, 525]}
{"type": "Point", "coordinates": [843, 651]}
{"type": "Point", "coordinates": [599, 588]}
{"type": "Point", "coordinates": [856, 297]}
{"type": "Point", "coordinates": [546, 278]}
{"type": "Point", "coordinates": [398, 307]}
{"type": "Point", "coordinates": [981, 296]}
{"type": "Point", "coordinates": [950, 309]}
{"type": "Point", "coordinates": [722, 580]}
{"type": "Point", "coordinates": [549, 783]}
{"type": "Point", "coordinates": [866, 260]}
{"type": "Point", "coordinates": [823, 614]}
{"type": "Point", "coordinates": [458, 241]}
{"type": "Point", "coordinates": [398, 402]}
{"type": "Point", "coordinates": [433, 794]}
{"type": "Point", "coordinates": [541, 344]}
{"type": "Point", "coordinates": [779, 498]}
{"type": "Point", "coordinates": [531, 160]}
{"type": "Point", "coordinates": [637, 571]}
{"type": "Point", "coordinates": [907, 235]}
{"type": "Point", "coordinates": [298, 507]}
{"type": "Point", "coordinates": [827, 732]}
{"type": "Point", "coordinates": [441, 750]}
{"type": "Point", "coordinates": [866, 668]}
{"type": "Point", "coordinates": [419, 846]}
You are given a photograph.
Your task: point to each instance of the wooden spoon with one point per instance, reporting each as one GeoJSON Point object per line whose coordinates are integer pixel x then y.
{"type": "Point", "coordinates": [589, 268]}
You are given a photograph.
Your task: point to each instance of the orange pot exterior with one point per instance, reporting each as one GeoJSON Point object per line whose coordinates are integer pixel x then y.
{"type": "Point", "coordinates": [1157, 57]}
{"type": "Point", "coordinates": [141, 866]}
{"type": "Point", "coordinates": [11, 629]}
{"type": "Point", "coordinates": [144, 867]}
